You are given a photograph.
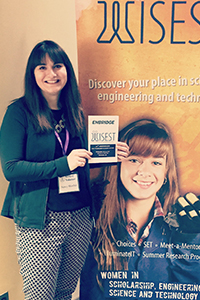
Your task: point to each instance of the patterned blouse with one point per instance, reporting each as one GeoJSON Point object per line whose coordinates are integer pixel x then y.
{"type": "Point", "coordinates": [132, 228]}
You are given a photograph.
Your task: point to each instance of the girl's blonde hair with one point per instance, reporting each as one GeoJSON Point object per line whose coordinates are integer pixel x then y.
{"type": "Point", "coordinates": [145, 138]}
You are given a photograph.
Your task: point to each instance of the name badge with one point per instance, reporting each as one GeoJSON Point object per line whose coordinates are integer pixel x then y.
{"type": "Point", "coordinates": [68, 183]}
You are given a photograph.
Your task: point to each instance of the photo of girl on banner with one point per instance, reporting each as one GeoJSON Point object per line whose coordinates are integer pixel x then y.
{"type": "Point", "coordinates": [141, 226]}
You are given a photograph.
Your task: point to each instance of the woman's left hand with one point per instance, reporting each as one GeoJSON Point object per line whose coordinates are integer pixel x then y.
{"type": "Point", "coordinates": [188, 213]}
{"type": "Point", "coordinates": [122, 150]}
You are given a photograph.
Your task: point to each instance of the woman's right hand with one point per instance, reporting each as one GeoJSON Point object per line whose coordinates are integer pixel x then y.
{"type": "Point", "coordinates": [122, 151]}
{"type": "Point", "coordinates": [77, 158]}
{"type": "Point", "coordinates": [188, 213]}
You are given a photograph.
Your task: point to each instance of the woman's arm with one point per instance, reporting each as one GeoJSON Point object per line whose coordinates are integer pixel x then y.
{"type": "Point", "coordinates": [13, 141]}
{"type": "Point", "coordinates": [184, 252]}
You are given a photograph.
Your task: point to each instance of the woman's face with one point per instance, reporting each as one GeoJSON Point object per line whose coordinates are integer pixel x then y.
{"type": "Point", "coordinates": [143, 176]}
{"type": "Point", "coordinates": [50, 77]}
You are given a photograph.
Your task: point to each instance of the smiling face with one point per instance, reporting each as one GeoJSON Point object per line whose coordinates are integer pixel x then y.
{"type": "Point", "coordinates": [50, 77]}
{"type": "Point", "coordinates": [142, 176]}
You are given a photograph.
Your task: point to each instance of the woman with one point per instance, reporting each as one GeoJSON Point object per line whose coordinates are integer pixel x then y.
{"type": "Point", "coordinates": [44, 157]}
{"type": "Point", "coordinates": [137, 229]}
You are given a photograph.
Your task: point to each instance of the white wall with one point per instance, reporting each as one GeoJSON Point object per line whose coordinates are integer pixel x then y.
{"type": "Point", "coordinates": [24, 23]}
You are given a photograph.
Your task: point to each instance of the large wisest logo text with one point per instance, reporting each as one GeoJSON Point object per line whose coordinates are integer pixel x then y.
{"type": "Point", "coordinates": [116, 16]}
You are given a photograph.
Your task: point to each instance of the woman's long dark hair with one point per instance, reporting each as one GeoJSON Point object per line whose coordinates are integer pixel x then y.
{"type": "Point", "coordinates": [69, 100]}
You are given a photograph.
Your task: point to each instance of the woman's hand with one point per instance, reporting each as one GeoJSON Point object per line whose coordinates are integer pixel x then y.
{"type": "Point", "coordinates": [188, 213]}
{"type": "Point", "coordinates": [77, 158]}
{"type": "Point", "coordinates": [122, 150]}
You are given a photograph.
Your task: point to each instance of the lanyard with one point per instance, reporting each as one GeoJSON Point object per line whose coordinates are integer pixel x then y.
{"type": "Point", "coordinates": [64, 148]}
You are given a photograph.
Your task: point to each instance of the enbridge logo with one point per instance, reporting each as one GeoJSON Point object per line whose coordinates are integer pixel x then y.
{"type": "Point", "coordinates": [107, 122]}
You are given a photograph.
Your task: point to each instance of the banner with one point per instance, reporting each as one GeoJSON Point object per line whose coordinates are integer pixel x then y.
{"type": "Point", "coordinates": [140, 60]}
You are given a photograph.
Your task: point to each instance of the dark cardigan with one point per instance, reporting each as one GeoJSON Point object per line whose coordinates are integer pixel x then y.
{"type": "Point", "coordinates": [28, 163]}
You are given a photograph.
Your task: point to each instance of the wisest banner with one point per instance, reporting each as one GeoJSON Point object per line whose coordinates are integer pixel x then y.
{"type": "Point", "coordinates": [140, 59]}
